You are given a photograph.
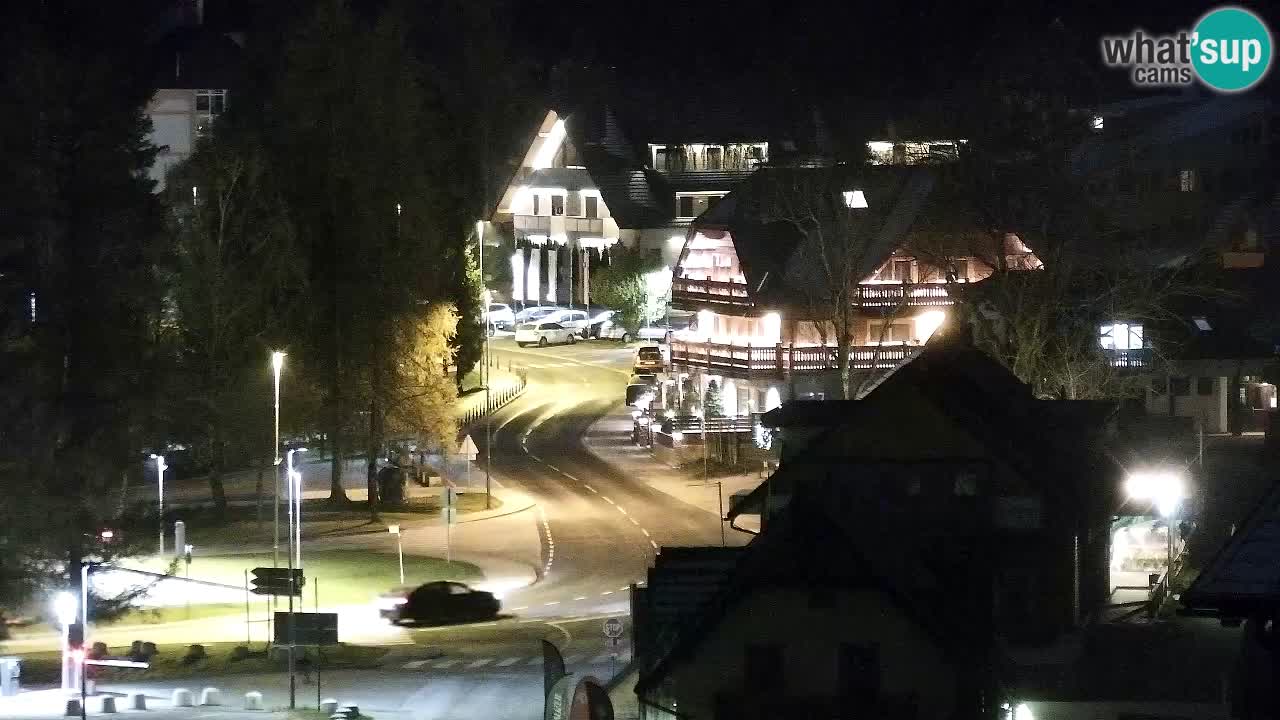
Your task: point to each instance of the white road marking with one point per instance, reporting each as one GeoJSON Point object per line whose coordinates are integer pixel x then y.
{"type": "Point", "coordinates": [607, 592]}
{"type": "Point", "coordinates": [479, 663]}
{"type": "Point", "coordinates": [569, 476]}
{"type": "Point", "coordinates": [606, 499]}
{"type": "Point", "coordinates": [590, 488]}
{"type": "Point", "coordinates": [442, 664]}
{"type": "Point", "coordinates": [635, 522]}
{"type": "Point", "coordinates": [654, 544]}
{"type": "Point", "coordinates": [621, 509]}
{"type": "Point", "coordinates": [415, 664]}
{"type": "Point", "coordinates": [553, 602]}
{"type": "Point", "coordinates": [522, 607]}
{"type": "Point", "coordinates": [646, 532]}
{"type": "Point", "coordinates": [580, 597]}
{"type": "Point", "coordinates": [625, 588]}
{"type": "Point", "coordinates": [508, 662]}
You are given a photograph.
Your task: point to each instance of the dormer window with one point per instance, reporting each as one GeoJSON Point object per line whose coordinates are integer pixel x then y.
{"type": "Point", "coordinates": [1120, 336]}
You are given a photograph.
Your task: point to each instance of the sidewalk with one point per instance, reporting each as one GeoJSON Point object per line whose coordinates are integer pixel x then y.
{"type": "Point", "coordinates": [610, 440]}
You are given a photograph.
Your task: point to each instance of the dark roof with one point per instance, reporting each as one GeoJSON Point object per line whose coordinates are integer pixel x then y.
{"type": "Point", "coordinates": [805, 550]}
{"type": "Point", "coordinates": [1045, 440]}
{"type": "Point", "coordinates": [197, 57]}
{"type": "Point", "coordinates": [1244, 577]}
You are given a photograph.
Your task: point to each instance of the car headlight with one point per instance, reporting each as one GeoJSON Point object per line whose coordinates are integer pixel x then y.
{"type": "Point", "coordinates": [390, 603]}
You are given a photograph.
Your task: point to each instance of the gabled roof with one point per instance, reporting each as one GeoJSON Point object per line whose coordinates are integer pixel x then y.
{"type": "Point", "coordinates": [806, 550]}
{"type": "Point", "coordinates": [1244, 577]}
{"type": "Point", "coordinates": [1044, 440]}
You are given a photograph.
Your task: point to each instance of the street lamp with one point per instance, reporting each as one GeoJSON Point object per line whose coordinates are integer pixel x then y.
{"type": "Point", "coordinates": [484, 371]}
{"type": "Point", "coordinates": [65, 608]}
{"type": "Point", "coordinates": [160, 468]}
{"type": "Point", "coordinates": [277, 364]}
{"type": "Point", "coordinates": [395, 530]}
{"type": "Point", "coordinates": [295, 505]}
{"type": "Point", "coordinates": [293, 478]}
{"type": "Point", "coordinates": [1165, 488]}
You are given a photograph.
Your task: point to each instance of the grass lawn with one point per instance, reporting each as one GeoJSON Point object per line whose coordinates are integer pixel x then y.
{"type": "Point", "coordinates": [345, 577]}
{"type": "Point", "coordinates": [170, 662]}
{"type": "Point", "coordinates": [319, 519]}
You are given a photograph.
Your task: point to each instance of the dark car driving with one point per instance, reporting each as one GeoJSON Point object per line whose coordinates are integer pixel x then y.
{"type": "Point", "coordinates": [437, 603]}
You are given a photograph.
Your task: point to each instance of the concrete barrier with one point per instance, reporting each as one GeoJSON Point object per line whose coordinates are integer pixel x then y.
{"type": "Point", "coordinates": [182, 698]}
{"type": "Point", "coordinates": [253, 700]}
{"type": "Point", "coordinates": [137, 701]}
{"type": "Point", "coordinates": [210, 696]}
{"type": "Point", "coordinates": [328, 706]}
{"type": "Point", "coordinates": [108, 704]}
{"type": "Point", "coordinates": [73, 707]}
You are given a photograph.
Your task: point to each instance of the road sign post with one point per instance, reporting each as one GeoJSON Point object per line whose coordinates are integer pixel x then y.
{"type": "Point", "coordinates": [448, 523]}
{"type": "Point", "coordinates": [276, 581]}
{"type": "Point", "coordinates": [470, 452]}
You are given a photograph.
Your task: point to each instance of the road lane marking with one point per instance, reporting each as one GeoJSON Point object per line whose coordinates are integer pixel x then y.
{"type": "Point", "coordinates": [508, 662]}
{"type": "Point", "coordinates": [591, 488]}
{"type": "Point", "coordinates": [415, 664]}
{"type": "Point", "coordinates": [580, 597]}
{"type": "Point", "coordinates": [633, 522]}
{"type": "Point", "coordinates": [553, 602]}
{"type": "Point", "coordinates": [607, 592]}
{"type": "Point", "coordinates": [624, 588]}
{"type": "Point", "coordinates": [621, 509]}
{"type": "Point", "coordinates": [442, 664]}
{"type": "Point", "coordinates": [479, 663]}
{"type": "Point", "coordinates": [606, 499]}
{"type": "Point", "coordinates": [522, 607]}
{"type": "Point", "coordinates": [654, 544]}
{"type": "Point", "coordinates": [569, 476]}
{"type": "Point", "coordinates": [646, 532]}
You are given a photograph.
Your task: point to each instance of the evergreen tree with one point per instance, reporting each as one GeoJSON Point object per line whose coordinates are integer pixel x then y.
{"type": "Point", "coordinates": [712, 403]}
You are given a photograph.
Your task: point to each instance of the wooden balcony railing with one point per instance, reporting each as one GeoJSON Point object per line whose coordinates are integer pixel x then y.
{"type": "Point", "coordinates": [711, 291]}
{"type": "Point", "coordinates": [869, 296]}
{"type": "Point", "coordinates": [1138, 358]}
{"type": "Point", "coordinates": [745, 360]}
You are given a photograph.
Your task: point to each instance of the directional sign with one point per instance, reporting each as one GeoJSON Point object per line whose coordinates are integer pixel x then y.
{"type": "Point", "coordinates": [613, 628]}
{"type": "Point", "coordinates": [275, 581]}
{"type": "Point", "coordinates": [469, 448]}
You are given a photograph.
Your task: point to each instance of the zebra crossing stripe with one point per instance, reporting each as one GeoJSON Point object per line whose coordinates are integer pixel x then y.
{"type": "Point", "coordinates": [415, 664]}
{"type": "Point", "coordinates": [479, 663]}
{"type": "Point", "coordinates": [508, 662]}
{"type": "Point", "coordinates": [446, 663]}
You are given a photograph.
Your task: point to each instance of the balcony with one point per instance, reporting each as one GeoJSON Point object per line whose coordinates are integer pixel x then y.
{"type": "Point", "coordinates": [1133, 359]}
{"type": "Point", "coordinates": [776, 360]}
{"type": "Point", "coordinates": [886, 296]}
{"type": "Point", "coordinates": [561, 225]}
{"type": "Point", "coordinates": [714, 292]}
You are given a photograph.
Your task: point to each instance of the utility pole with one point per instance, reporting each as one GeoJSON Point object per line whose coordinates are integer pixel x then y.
{"type": "Point", "coordinates": [484, 376]}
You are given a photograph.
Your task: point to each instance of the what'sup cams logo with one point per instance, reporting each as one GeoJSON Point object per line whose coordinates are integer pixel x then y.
{"type": "Point", "coordinates": [1229, 50]}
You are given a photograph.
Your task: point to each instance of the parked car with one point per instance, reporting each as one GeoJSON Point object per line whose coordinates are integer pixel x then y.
{"type": "Point", "coordinates": [499, 317]}
{"type": "Point", "coordinates": [544, 333]}
{"type": "Point", "coordinates": [660, 330]}
{"type": "Point", "coordinates": [649, 359]}
{"type": "Point", "coordinates": [575, 320]}
{"type": "Point", "coordinates": [598, 321]}
{"type": "Point", "coordinates": [437, 602]}
{"type": "Point", "coordinates": [533, 314]}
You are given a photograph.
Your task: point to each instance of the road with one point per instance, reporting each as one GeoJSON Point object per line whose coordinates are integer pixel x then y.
{"type": "Point", "coordinates": [598, 531]}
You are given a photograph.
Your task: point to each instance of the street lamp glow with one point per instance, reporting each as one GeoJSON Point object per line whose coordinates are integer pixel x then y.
{"type": "Point", "coordinates": [161, 466]}
{"type": "Point", "coordinates": [1165, 488]}
{"type": "Point", "coordinates": [65, 606]}
{"type": "Point", "coordinates": [277, 361]}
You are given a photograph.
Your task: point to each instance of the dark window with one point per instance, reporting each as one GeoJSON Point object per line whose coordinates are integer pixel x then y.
{"type": "Point", "coordinates": [859, 671]}
{"type": "Point", "coordinates": [764, 668]}
{"type": "Point", "coordinates": [535, 205]}
{"type": "Point", "coordinates": [591, 209]}
{"type": "Point", "coordinates": [1204, 386]}
{"type": "Point", "coordinates": [715, 158]}
{"type": "Point", "coordinates": [557, 204]}
{"type": "Point", "coordinates": [686, 206]}
{"type": "Point", "coordinates": [1180, 386]}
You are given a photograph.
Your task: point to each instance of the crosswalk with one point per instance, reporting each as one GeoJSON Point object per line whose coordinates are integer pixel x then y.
{"type": "Point", "coordinates": [483, 663]}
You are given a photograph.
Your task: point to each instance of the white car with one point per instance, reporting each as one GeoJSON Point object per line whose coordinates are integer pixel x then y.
{"type": "Point", "coordinates": [544, 333]}
{"type": "Point", "coordinates": [612, 331]}
{"type": "Point", "coordinates": [576, 320]}
{"type": "Point", "coordinates": [500, 317]}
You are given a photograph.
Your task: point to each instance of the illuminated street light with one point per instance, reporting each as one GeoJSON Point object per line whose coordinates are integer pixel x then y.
{"type": "Point", "coordinates": [277, 364]}
{"type": "Point", "coordinates": [160, 468]}
{"type": "Point", "coordinates": [1165, 488]}
{"type": "Point", "coordinates": [65, 608]}
{"type": "Point", "coordinates": [295, 505]}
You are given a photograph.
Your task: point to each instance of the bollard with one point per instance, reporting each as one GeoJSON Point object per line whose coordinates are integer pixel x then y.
{"type": "Point", "coordinates": [182, 698]}
{"type": "Point", "coordinates": [253, 700]}
{"type": "Point", "coordinates": [108, 704]}
{"type": "Point", "coordinates": [137, 701]}
{"type": "Point", "coordinates": [328, 706]}
{"type": "Point", "coordinates": [73, 707]}
{"type": "Point", "coordinates": [210, 696]}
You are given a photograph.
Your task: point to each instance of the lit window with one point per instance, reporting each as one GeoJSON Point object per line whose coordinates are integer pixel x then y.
{"type": "Point", "coordinates": [209, 105]}
{"type": "Point", "coordinates": [855, 199]}
{"type": "Point", "coordinates": [1121, 336]}
{"type": "Point", "coordinates": [1203, 324]}
{"type": "Point", "coordinates": [1097, 123]}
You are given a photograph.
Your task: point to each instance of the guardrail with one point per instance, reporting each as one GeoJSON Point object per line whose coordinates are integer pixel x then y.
{"type": "Point", "coordinates": [498, 397]}
{"type": "Point", "coordinates": [747, 360]}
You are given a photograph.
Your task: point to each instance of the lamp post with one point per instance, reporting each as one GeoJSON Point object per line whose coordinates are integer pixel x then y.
{"type": "Point", "coordinates": [277, 364]}
{"type": "Point", "coordinates": [1165, 488]}
{"type": "Point", "coordinates": [484, 376]}
{"type": "Point", "coordinates": [64, 606]}
{"type": "Point", "coordinates": [295, 505]}
{"type": "Point", "coordinates": [395, 530]}
{"type": "Point", "coordinates": [160, 468]}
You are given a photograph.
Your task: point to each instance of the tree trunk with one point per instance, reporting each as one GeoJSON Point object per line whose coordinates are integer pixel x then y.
{"type": "Point", "coordinates": [372, 452]}
{"type": "Point", "coordinates": [336, 494]}
{"type": "Point", "coordinates": [216, 490]}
